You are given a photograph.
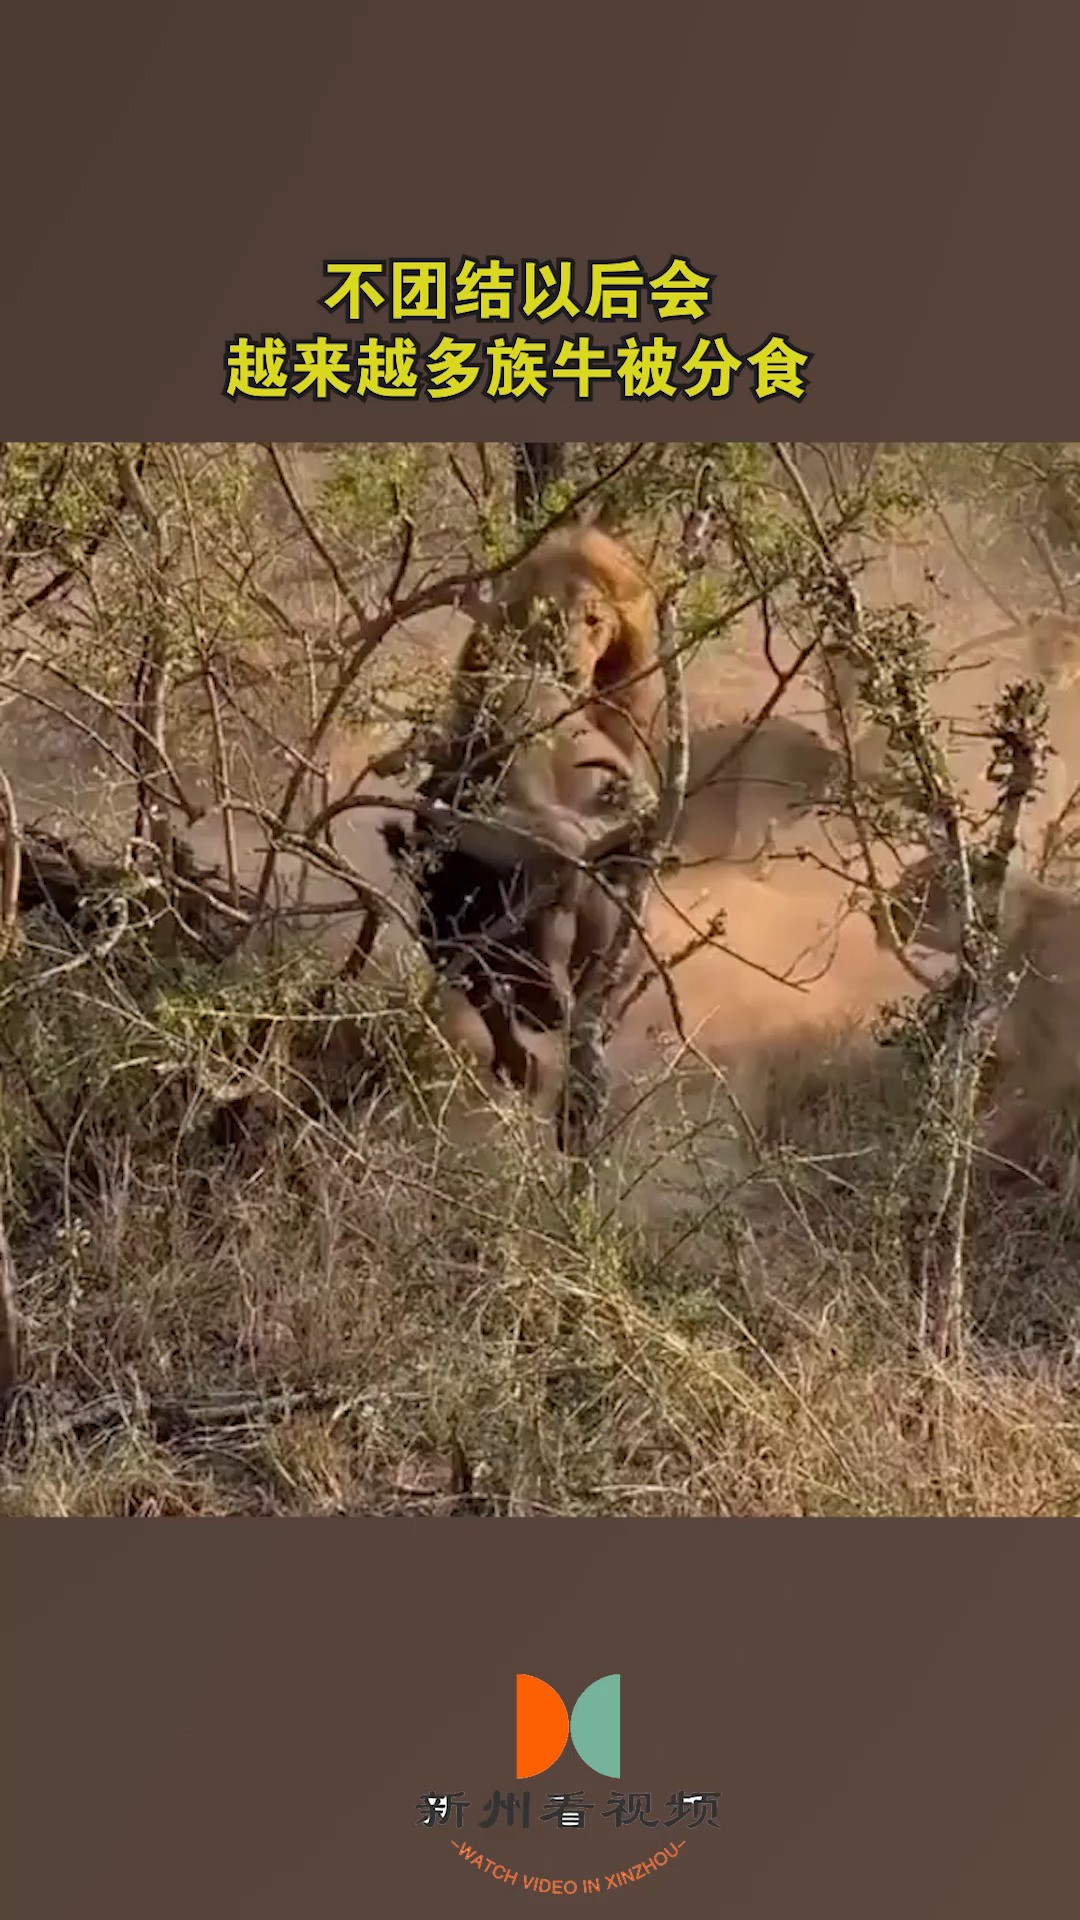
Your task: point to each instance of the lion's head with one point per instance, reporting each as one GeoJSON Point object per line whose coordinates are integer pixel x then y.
{"type": "Point", "coordinates": [604, 599]}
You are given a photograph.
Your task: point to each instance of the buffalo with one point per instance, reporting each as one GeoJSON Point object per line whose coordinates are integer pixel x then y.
{"type": "Point", "coordinates": [521, 850]}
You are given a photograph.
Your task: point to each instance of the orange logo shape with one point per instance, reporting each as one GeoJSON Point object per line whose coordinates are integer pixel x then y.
{"type": "Point", "coordinates": [544, 1726]}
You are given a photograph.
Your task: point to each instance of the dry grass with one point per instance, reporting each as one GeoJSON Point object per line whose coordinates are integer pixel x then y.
{"type": "Point", "coordinates": [395, 1306]}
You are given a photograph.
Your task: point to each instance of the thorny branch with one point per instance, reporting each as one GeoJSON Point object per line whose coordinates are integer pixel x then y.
{"type": "Point", "coordinates": [971, 1009]}
{"type": "Point", "coordinates": [460, 590]}
{"type": "Point", "coordinates": [585, 1099]}
{"type": "Point", "coordinates": [20, 541]}
{"type": "Point", "coordinates": [151, 678]}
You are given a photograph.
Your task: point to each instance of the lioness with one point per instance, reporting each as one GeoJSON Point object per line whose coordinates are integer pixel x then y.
{"type": "Point", "coordinates": [1049, 647]}
{"type": "Point", "coordinates": [745, 782]}
{"type": "Point", "coordinates": [1038, 1043]}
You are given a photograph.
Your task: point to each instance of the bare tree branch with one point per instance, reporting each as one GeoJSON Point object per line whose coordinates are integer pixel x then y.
{"type": "Point", "coordinates": [10, 866]}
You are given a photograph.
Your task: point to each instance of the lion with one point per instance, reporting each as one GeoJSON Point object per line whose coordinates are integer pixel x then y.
{"type": "Point", "coordinates": [1049, 649]}
{"type": "Point", "coordinates": [530, 760]}
{"type": "Point", "coordinates": [609, 633]}
{"type": "Point", "coordinates": [1046, 647]}
{"type": "Point", "coordinates": [1038, 1041]}
{"type": "Point", "coordinates": [747, 781]}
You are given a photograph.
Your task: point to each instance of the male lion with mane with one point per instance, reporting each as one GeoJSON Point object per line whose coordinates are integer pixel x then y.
{"type": "Point", "coordinates": [609, 634]}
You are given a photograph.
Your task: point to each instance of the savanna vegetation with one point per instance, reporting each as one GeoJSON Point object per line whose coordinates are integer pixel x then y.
{"type": "Point", "coordinates": [270, 1245]}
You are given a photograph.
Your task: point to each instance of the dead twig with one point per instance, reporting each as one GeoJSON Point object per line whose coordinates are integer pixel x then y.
{"type": "Point", "coordinates": [10, 866]}
{"type": "Point", "coordinates": [9, 1329]}
{"type": "Point", "coordinates": [171, 1419]}
{"type": "Point", "coordinates": [585, 1098]}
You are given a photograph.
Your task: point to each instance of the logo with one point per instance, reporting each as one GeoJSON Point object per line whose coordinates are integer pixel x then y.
{"type": "Point", "coordinates": [610, 1845]}
{"type": "Point", "coordinates": [593, 1727]}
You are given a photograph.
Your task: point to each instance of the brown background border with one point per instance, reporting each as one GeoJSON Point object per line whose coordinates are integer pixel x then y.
{"type": "Point", "coordinates": [891, 190]}
{"type": "Point", "coordinates": [239, 1720]}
